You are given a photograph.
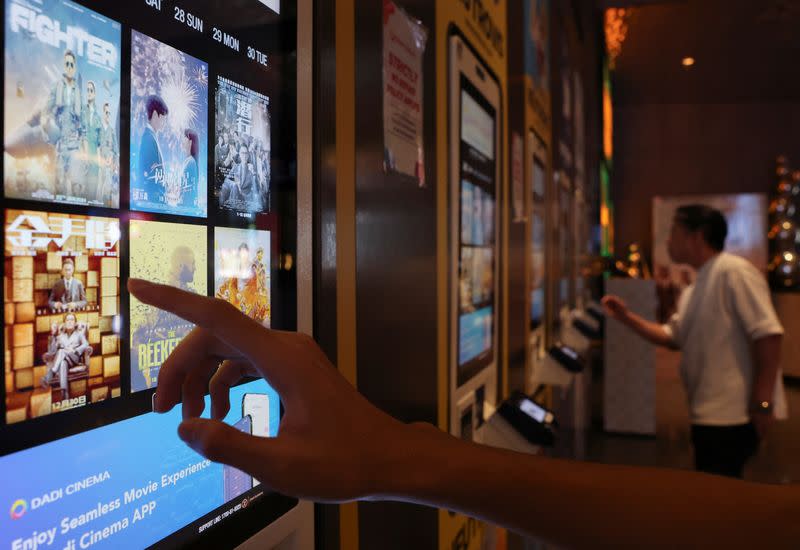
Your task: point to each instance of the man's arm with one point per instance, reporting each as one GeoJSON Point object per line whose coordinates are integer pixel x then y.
{"type": "Point", "coordinates": [335, 446]}
{"type": "Point", "coordinates": [750, 298]}
{"type": "Point", "coordinates": [653, 332]}
{"type": "Point", "coordinates": [766, 364]}
{"type": "Point", "coordinates": [81, 301]}
{"type": "Point", "coordinates": [585, 505]}
{"type": "Point", "coordinates": [83, 343]}
{"type": "Point", "coordinates": [54, 301]}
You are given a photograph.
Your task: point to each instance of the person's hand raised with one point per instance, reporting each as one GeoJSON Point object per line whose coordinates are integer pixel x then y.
{"type": "Point", "coordinates": [332, 444]}
{"type": "Point", "coordinates": [615, 307]}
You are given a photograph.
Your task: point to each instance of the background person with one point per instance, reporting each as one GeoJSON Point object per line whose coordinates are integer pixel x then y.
{"type": "Point", "coordinates": [730, 337]}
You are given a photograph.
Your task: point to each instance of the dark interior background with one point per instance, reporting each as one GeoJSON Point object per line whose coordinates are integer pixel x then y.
{"type": "Point", "coordinates": [715, 127]}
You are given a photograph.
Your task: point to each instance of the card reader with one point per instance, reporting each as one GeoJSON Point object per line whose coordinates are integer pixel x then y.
{"type": "Point", "coordinates": [596, 312]}
{"type": "Point", "coordinates": [585, 327]}
{"type": "Point", "coordinates": [566, 357]}
{"type": "Point", "coordinates": [534, 422]}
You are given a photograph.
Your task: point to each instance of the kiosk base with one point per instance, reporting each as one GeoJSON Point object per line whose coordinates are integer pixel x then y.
{"type": "Point", "coordinates": [294, 531]}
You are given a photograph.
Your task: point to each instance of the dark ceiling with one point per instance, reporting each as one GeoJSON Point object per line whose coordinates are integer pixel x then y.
{"type": "Point", "coordinates": [745, 51]}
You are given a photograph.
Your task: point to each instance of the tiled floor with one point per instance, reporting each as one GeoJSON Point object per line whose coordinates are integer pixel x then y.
{"type": "Point", "coordinates": [778, 461]}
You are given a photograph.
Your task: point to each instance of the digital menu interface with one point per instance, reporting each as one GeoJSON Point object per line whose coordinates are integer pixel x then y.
{"type": "Point", "coordinates": [138, 141]}
{"type": "Point", "coordinates": [477, 234]}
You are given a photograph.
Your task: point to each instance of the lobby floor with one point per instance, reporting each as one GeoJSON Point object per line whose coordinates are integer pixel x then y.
{"type": "Point", "coordinates": [778, 460]}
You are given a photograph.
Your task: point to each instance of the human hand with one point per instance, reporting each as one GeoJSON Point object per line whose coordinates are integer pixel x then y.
{"type": "Point", "coordinates": [615, 307]}
{"type": "Point", "coordinates": [333, 445]}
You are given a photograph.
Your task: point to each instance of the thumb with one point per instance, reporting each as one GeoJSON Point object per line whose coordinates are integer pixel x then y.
{"type": "Point", "coordinates": [220, 442]}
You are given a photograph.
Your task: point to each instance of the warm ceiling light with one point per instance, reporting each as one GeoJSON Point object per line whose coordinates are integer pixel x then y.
{"type": "Point", "coordinates": [687, 61]}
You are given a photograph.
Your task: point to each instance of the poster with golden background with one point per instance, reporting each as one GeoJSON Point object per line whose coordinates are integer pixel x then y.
{"type": "Point", "coordinates": [167, 253]}
{"type": "Point", "coordinates": [61, 312]}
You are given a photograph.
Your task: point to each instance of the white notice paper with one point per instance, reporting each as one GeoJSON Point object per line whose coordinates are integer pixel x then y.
{"type": "Point", "coordinates": [404, 41]}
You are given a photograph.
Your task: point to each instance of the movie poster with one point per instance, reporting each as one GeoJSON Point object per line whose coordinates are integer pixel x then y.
{"type": "Point", "coordinates": [61, 312]}
{"type": "Point", "coordinates": [242, 149]}
{"type": "Point", "coordinates": [537, 43]}
{"type": "Point", "coordinates": [169, 129]}
{"type": "Point", "coordinates": [167, 253]}
{"type": "Point", "coordinates": [62, 99]}
{"type": "Point", "coordinates": [241, 271]}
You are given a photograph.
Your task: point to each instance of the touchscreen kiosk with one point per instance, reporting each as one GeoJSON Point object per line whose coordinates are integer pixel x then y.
{"type": "Point", "coordinates": [475, 167]}
{"type": "Point", "coordinates": [565, 237]}
{"type": "Point", "coordinates": [143, 139]}
{"type": "Point", "coordinates": [537, 246]}
{"type": "Point", "coordinates": [539, 328]}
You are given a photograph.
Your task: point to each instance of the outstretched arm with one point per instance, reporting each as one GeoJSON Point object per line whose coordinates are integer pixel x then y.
{"type": "Point", "coordinates": [653, 332]}
{"type": "Point", "coordinates": [335, 446]}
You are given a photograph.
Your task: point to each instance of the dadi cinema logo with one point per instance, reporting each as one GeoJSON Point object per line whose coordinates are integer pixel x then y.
{"type": "Point", "coordinates": [18, 509]}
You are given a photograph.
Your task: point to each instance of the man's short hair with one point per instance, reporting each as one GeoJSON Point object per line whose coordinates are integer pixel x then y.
{"type": "Point", "coordinates": [155, 104]}
{"type": "Point", "coordinates": [70, 53]}
{"type": "Point", "coordinates": [709, 221]}
{"type": "Point", "coordinates": [66, 262]}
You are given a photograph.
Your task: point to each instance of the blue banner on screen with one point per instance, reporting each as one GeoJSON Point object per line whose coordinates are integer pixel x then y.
{"type": "Point", "coordinates": [476, 334]}
{"type": "Point", "coordinates": [129, 484]}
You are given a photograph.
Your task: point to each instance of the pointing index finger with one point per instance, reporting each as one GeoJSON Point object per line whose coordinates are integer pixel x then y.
{"type": "Point", "coordinates": [261, 346]}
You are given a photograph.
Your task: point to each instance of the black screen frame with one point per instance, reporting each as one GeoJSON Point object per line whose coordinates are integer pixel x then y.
{"type": "Point", "coordinates": [268, 32]}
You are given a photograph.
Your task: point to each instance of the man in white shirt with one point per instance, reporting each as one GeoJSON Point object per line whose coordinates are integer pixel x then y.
{"type": "Point", "coordinates": [730, 337]}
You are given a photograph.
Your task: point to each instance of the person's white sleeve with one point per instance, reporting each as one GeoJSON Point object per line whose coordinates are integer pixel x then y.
{"type": "Point", "coordinates": [672, 328]}
{"type": "Point", "coordinates": [673, 325]}
{"type": "Point", "coordinates": [752, 302]}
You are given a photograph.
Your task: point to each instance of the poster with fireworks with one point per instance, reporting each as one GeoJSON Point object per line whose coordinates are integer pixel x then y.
{"type": "Point", "coordinates": [169, 129]}
{"type": "Point", "coordinates": [61, 97]}
{"type": "Point", "coordinates": [242, 149]}
{"type": "Point", "coordinates": [167, 253]}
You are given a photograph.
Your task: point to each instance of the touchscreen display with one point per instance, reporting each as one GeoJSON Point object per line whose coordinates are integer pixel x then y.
{"type": "Point", "coordinates": [235, 481]}
{"type": "Point", "coordinates": [477, 233]}
{"type": "Point", "coordinates": [138, 141]}
{"type": "Point", "coordinates": [119, 485]}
